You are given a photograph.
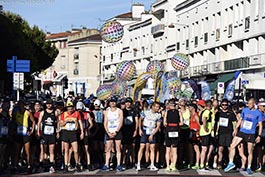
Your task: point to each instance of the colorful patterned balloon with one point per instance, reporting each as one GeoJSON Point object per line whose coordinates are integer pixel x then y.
{"type": "Point", "coordinates": [111, 31]}
{"type": "Point", "coordinates": [118, 88]}
{"type": "Point", "coordinates": [104, 91]}
{"type": "Point", "coordinates": [126, 70]}
{"type": "Point", "coordinates": [180, 61]}
{"type": "Point", "coordinates": [154, 67]}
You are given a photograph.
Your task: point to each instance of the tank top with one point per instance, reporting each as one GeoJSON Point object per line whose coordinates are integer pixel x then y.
{"type": "Point", "coordinates": [173, 120]}
{"type": "Point", "coordinates": [98, 116]}
{"type": "Point", "coordinates": [49, 122]}
{"type": "Point", "coordinates": [4, 123]}
{"type": "Point", "coordinates": [113, 120]}
{"type": "Point", "coordinates": [71, 125]}
{"type": "Point", "coordinates": [186, 119]}
{"type": "Point", "coordinates": [22, 122]}
{"type": "Point", "coordinates": [194, 125]}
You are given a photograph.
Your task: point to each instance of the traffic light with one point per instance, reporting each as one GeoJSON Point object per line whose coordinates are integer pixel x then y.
{"type": "Point", "coordinates": [65, 83]}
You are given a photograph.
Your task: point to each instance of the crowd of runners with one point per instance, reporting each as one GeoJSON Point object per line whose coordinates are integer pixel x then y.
{"type": "Point", "coordinates": [118, 133]}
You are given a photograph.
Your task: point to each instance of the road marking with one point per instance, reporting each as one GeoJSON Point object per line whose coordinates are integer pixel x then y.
{"type": "Point", "coordinates": [129, 172]}
{"type": "Point", "coordinates": [210, 172]}
{"type": "Point", "coordinates": [163, 171]}
{"type": "Point", "coordinates": [87, 172]}
{"type": "Point", "coordinates": [244, 173]}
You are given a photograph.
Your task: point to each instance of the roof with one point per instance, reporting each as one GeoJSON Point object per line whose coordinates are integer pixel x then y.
{"type": "Point", "coordinates": [95, 37]}
{"type": "Point", "coordinates": [125, 15]}
{"type": "Point", "coordinates": [61, 34]}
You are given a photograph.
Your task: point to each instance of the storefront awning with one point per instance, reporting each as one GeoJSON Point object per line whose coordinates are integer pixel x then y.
{"type": "Point", "coordinates": [224, 78]}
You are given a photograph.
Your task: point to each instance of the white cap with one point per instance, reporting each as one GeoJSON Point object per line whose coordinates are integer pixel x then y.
{"type": "Point", "coordinates": [79, 105]}
{"type": "Point", "coordinates": [97, 102]}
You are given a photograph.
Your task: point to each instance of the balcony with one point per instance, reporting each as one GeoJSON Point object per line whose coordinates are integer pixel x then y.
{"type": "Point", "coordinates": [243, 63]}
{"type": "Point", "coordinates": [108, 77]}
{"type": "Point", "coordinates": [158, 29]}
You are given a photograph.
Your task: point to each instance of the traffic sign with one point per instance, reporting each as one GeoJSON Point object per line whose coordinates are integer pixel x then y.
{"type": "Point", "coordinates": [18, 83]}
{"type": "Point", "coordinates": [23, 66]}
{"type": "Point", "coordinates": [220, 87]}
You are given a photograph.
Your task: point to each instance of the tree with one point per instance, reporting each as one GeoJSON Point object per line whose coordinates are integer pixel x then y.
{"type": "Point", "coordinates": [18, 38]}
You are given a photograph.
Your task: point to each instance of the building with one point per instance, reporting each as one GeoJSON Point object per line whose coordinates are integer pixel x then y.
{"type": "Point", "coordinates": [78, 61]}
{"type": "Point", "coordinates": [220, 37]}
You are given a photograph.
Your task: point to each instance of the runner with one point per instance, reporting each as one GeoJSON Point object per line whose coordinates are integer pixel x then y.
{"type": "Point", "coordinates": [250, 118]}
{"type": "Point", "coordinates": [113, 121]}
{"type": "Point", "coordinates": [172, 121]}
{"type": "Point", "coordinates": [48, 119]}
{"type": "Point", "coordinates": [226, 119]}
{"type": "Point", "coordinates": [69, 122]}
{"type": "Point", "coordinates": [129, 132]}
{"type": "Point", "coordinates": [147, 130]}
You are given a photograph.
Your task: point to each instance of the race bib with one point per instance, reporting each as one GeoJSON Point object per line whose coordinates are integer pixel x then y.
{"type": "Point", "coordinates": [223, 122]}
{"type": "Point", "coordinates": [22, 130]}
{"type": "Point", "coordinates": [187, 122]}
{"type": "Point", "coordinates": [173, 134]}
{"type": "Point", "coordinates": [112, 125]}
{"type": "Point", "coordinates": [149, 131]}
{"type": "Point", "coordinates": [70, 126]}
{"type": "Point", "coordinates": [149, 123]}
{"type": "Point", "coordinates": [247, 125]}
{"type": "Point", "coordinates": [48, 130]}
{"type": "Point", "coordinates": [4, 130]}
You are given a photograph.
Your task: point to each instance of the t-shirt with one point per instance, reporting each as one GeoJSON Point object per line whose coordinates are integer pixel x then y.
{"type": "Point", "coordinates": [129, 118]}
{"type": "Point", "coordinates": [263, 125]}
{"type": "Point", "coordinates": [73, 120]}
{"type": "Point", "coordinates": [225, 120]}
{"type": "Point", "coordinates": [150, 120]}
{"type": "Point", "coordinates": [250, 120]}
{"type": "Point", "coordinates": [206, 114]}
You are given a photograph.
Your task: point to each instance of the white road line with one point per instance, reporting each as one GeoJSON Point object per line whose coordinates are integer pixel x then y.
{"type": "Point", "coordinates": [129, 172]}
{"type": "Point", "coordinates": [163, 171]}
{"type": "Point", "coordinates": [210, 172]}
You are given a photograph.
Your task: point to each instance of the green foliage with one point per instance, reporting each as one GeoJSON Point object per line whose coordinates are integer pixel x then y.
{"type": "Point", "coordinates": [18, 38]}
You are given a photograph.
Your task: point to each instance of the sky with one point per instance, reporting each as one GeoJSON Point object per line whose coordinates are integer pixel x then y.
{"type": "Point", "coordinates": [61, 15]}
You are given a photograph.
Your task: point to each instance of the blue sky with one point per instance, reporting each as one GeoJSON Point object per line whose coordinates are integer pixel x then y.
{"type": "Point", "coordinates": [61, 15]}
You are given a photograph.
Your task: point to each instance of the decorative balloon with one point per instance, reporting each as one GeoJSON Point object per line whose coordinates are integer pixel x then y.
{"type": "Point", "coordinates": [126, 70]}
{"type": "Point", "coordinates": [104, 91]}
{"type": "Point", "coordinates": [180, 61]}
{"type": "Point", "coordinates": [111, 31]}
{"type": "Point", "coordinates": [118, 88]}
{"type": "Point", "coordinates": [155, 67]}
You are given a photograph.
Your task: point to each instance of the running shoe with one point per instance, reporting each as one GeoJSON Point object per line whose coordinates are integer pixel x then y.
{"type": "Point", "coordinates": [229, 167]}
{"type": "Point", "coordinates": [52, 170]}
{"type": "Point", "coordinates": [138, 167]}
{"type": "Point", "coordinates": [168, 169]}
{"type": "Point", "coordinates": [105, 168]}
{"type": "Point", "coordinates": [249, 171]}
{"type": "Point", "coordinates": [258, 169]}
{"type": "Point", "coordinates": [119, 168]}
{"type": "Point", "coordinates": [153, 168]}
{"type": "Point", "coordinates": [195, 167]}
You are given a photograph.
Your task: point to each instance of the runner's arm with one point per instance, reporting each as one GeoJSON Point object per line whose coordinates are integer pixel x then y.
{"type": "Point", "coordinates": [39, 122]}
{"type": "Point", "coordinates": [121, 120]}
{"type": "Point", "coordinates": [33, 121]}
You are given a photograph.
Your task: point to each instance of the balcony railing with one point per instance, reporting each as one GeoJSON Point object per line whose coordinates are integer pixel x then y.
{"type": "Point", "coordinates": [251, 62]}
{"type": "Point", "coordinates": [157, 29]}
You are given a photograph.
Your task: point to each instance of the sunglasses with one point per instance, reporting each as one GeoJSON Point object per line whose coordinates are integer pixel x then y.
{"type": "Point", "coordinates": [224, 104]}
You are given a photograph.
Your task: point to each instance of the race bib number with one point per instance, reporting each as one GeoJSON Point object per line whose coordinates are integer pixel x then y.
{"type": "Point", "coordinates": [223, 122]}
{"type": "Point", "coordinates": [48, 130]}
{"type": "Point", "coordinates": [187, 122]}
{"type": "Point", "coordinates": [247, 125]}
{"type": "Point", "coordinates": [4, 130]}
{"type": "Point", "coordinates": [173, 134]}
{"type": "Point", "coordinates": [113, 125]}
{"type": "Point", "coordinates": [22, 130]}
{"type": "Point", "coordinates": [149, 123]}
{"type": "Point", "coordinates": [70, 126]}
{"type": "Point", "coordinates": [149, 131]}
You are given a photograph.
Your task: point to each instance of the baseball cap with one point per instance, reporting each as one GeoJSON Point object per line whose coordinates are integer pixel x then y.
{"type": "Point", "coordinates": [261, 102]}
{"type": "Point", "coordinates": [113, 99]}
{"type": "Point", "coordinates": [128, 99]}
{"type": "Point", "coordinates": [49, 101]}
{"type": "Point", "coordinates": [97, 102]}
{"type": "Point", "coordinates": [201, 103]}
{"type": "Point", "coordinates": [69, 104]}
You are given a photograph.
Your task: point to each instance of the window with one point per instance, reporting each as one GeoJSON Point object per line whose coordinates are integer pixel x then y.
{"type": "Point", "coordinates": [121, 55]}
{"type": "Point", "coordinates": [111, 57]}
{"type": "Point", "coordinates": [104, 58]}
{"type": "Point", "coordinates": [217, 34]}
{"type": "Point", "coordinates": [143, 50]}
{"type": "Point", "coordinates": [76, 56]}
{"type": "Point", "coordinates": [151, 50]}
{"type": "Point", "coordinates": [187, 44]}
{"type": "Point", "coordinates": [178, 46]}
{"type": "Point", "coordinates": [196, 41]}
{"type": "Point", "coordinates": [247, 23]}
{"type": "Point", "coordinates": [205, 38]}
{"type": "Point", "coordinates": [230, 30]}
{"type": "Point", "coordinates": [76, 71]}
{"type": "Point", "coordinates": [63, 61]}
{"type": "Point", "coordinates": [134, 53]}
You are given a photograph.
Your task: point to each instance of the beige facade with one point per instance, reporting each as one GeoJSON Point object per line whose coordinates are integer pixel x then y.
{"type": "Point", "coordinates": [78, 60]}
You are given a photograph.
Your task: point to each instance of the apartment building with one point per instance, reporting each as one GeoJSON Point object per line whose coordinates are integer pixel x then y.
{"type": "Point", "coordinates": [220, 37]}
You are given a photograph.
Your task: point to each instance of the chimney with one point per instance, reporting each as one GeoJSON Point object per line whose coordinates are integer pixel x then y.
{"type": "Point", "coordinates": [137, 10]}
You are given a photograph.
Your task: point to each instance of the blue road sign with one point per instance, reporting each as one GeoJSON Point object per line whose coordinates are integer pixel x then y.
{"type": "Point", "coordinates": [10, 66]}
{"type": "Point", "coordinates": [23, 66]}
